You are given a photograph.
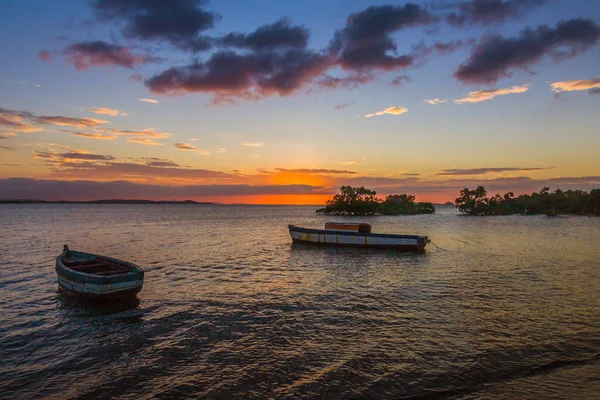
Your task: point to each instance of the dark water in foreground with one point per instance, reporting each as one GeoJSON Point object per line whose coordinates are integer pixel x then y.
{"type": "Point", "coordinates": [230, 309]}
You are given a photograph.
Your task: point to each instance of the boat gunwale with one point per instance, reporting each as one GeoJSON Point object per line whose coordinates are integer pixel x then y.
{"type": "Point", "coordinates": [77, 276]}
{"type": "Point", "coordinates": [353, 233]}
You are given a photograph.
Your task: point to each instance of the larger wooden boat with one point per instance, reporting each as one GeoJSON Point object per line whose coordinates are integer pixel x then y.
{"type": "Point", "coordinates": [356, 235]}
{"type": "Point", "coordinates": [97, 276]}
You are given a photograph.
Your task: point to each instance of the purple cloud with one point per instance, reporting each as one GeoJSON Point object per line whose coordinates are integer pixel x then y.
{"type": "Point", "coordinates": [280, 34]}
{"type": "Point", "coordinates": [495, 56]}
{"type": "Point", "coordinates": [486, 12]}
{"type": "Point", "coordinates": [365, 41]}
{"type": "Point", "coordinates": [178, 22]}
{"type": "Point", "coordinates": [84, 55]}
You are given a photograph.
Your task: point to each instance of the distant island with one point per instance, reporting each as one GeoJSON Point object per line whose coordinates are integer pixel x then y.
{"type": "Point", "coordinates": [362, 201]}
{"type": "Point", "coordinates": [112, 201]}
{"type": "Point", "coordinates": [576, 202]}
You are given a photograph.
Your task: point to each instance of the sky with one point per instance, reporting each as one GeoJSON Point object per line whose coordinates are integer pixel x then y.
{"type": "Point", "coordinates": [283, 101]}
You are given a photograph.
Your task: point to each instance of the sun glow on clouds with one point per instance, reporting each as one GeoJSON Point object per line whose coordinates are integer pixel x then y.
{"type": "Point", "coordinates": [252, 144]}
{"type": "Point", "coordinates": [576, 85]}
{"type": "Point", "coordinates": [109, 111]}
{"type": "Point", "coordinates": [435, 101]}
{"type": "Point", "coordinates": [98, 136]}
{"type": "Point", "coordinates": [145, 141]}
{"type": "Point", "coordinates": [150, 101]}
{"type": "Point", "coordinates": [483, 95]}
{"type": "Point", "coordinates": [389, 110]}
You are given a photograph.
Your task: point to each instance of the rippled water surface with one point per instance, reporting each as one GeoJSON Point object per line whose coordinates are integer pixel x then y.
{"type": "Point", "coordinates": [231, 309]}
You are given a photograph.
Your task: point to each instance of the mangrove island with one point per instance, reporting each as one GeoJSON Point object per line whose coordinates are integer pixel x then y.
{"type": "Point", "coordinates": [576, 202]}
{"type": "Point", "coordinates": [362, 201]}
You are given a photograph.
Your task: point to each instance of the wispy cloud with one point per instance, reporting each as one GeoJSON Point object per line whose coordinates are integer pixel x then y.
{"type": "Point", "coordinates": [149, 101]}
{"type": "Point", "coordinates": [7, 135]}
{"type": "Point", "coordinates": [84, 55]}
{"type": "Point", "coordinates": [389, 110]}
{"type": "Point", "coordinates": [576, 85]}
{"type": "Point", "coordinates": [221, 150]}
{"type": "Point", "coordinates": [315, 171]}
{"type": "Point", "coordinates": [256, 155]}
{"type": "Point", "coordinates": [481, 171]}
{"type": "Point", "coordinates": [343, 105]}
{"type": "Point", "coordinates": [185, 146]}
{"type": "Point", "coordinates": [252, 144]}
{"type": "Point", "coordinates": [109, 111]}
{"type": "Point", "coordinates": [146, 141]}
{"type": "Point", "coordinates": [435, 101]}
{"type": "Point", "coordinates": [71, 121]}
{"type": "Point", "coordinates": [7, 148]}
{"type": "Point", "coordinates": [346, 162]}
{"type": "Point", "coordinates": [483, 95]}
{"type": "Point", "coordinates": [92, 135]}
{"type": "Point", "coordinates": [400, 79]}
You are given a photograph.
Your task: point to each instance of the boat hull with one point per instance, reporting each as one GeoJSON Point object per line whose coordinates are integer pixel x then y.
{"type": "Point", "coordinates": [102, 287]}
{"type": "Point", "coordinates": [334, 238]}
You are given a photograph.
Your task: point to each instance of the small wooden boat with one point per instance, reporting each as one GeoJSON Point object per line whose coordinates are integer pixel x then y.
{"type": "Point", "coordinates": [356, 235]}
{"type": "Point", "coordinates": [97, 276]}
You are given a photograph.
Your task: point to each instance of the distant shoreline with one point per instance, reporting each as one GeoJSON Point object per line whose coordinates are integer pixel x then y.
{"type": "Point", "coordinates": [175, 202]}
{"type": "Point", "coordinates": [113, 201]}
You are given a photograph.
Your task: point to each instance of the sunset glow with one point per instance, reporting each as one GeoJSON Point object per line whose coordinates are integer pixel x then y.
{"type": "Point", "coordinates": [284, 106]}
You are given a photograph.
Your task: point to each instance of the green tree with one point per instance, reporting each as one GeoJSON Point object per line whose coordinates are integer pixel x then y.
{"type": "Point", "coordinates": [352, 201]}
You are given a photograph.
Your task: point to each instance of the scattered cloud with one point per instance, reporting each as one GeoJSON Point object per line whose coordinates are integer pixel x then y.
{"type": "Point", "coordinates": [178, 22]}
{"type": "Point", "coordinates": [256, 155]}
{"type": "Point", "coordinates": [70, 121]}
{"type": "Point", "coordinates": [252, 144]}
{"type": "Point", "coordinates": [148, 133]}
{"type": "Point", "coordinates": [496, 56]}
{"type": "Point", "coordinates": [350, 82]}
{"type": "Point", "coordinates": [481, 171]}
{"type": "Point", "coordinates": [45, 55]}
{"type": "Point", "coordinates": [7, 135]}
{"type": "Point", "coordinates": [19, 121]}
{"type": "Point", "coordinates": [150, 101]}
{"type": "Point", "coordinates": [343, 105]}
{"type": "Point", "coordinates": [591, 85]}
{"type": "Point", "coordinates": [135, 77]}
{"type": "Point", "coordinates": [185, 146]}
{"type": "Point", "coordinates": [400, 79]}
{"type": "Point", "coordinates": [160, 162]}
{"type": "Point", "coordinates": [145, 141]}
{"type": "Point", "coordinates": [435, 101]}
{"type": "Point", "coordinates": [109, 111]}
{"type": "Point", "coordinates": [346, 162]}
{"type": "Point", "coordinates": [280, 34]}
{"type": "Point", "coordinates": [485, 12]}
{"type": "Point", "coordinates": [366, 43]}
{"type": "Point", "coordinates": [85, 156]}
{"type": "Point", "coordinates": [315, 171]}
{"type": "Point", "coordinates": [389, 110]}
{"type": "Point", "coordinates": [221, 150]}
{"type": "Point", "coordinates": [97, 53]}
{"type": "Point", "coordinates": [91, 135]}
{"type": "Point", "coordinates": [7, 148]}
{"type": "Point", "coordinates": [228, 75]}
{"type": "Point", "coordinates": [483, 95]}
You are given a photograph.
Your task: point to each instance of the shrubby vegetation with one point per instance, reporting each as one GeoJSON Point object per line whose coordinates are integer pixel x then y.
{"type": "Point", "coordinates": [362, 201]}
{"type": "Point", "coordinates": [578, 202]}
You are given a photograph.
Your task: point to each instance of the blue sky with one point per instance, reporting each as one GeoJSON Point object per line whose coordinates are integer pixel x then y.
{"type": "Point", "coordinates": [549, 135]}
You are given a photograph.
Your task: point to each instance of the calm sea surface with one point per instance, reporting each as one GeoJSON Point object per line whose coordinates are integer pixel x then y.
{"type": "Point", "coordinates": [231, 309]}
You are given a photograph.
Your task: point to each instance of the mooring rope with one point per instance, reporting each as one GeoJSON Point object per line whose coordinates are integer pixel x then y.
{"type": "Point", "coordinates": [42, 262]}
{"type": "Point", "coordinates": [438, 247]}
